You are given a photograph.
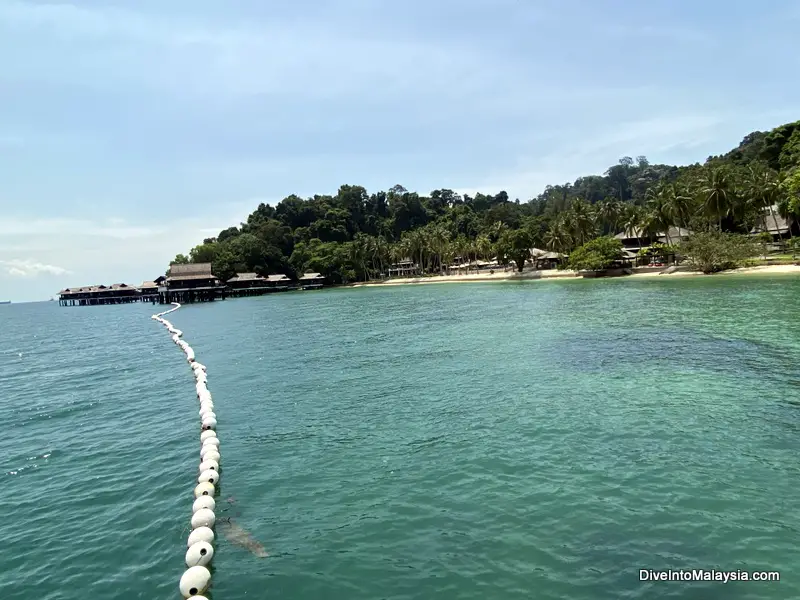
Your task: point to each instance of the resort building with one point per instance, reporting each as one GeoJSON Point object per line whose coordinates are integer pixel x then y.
{"type": "Point", "coordinates": [774, 224]}
{"type": "Point", "coordinates": [278, 282]}
{"type": "Point", "coordinates": [247, 284]}
{"type": "Point", "coordinates": [311, 281]}
{"type": "Point", "coordinates": [94, 295]}
{"type": "Point", "coordinates": [544, 259]}
{"type": "Point", "coordinates": [404, 268]}
{"type": "Point", "coordinates": [192, 282]}
{"type": "Point", "coordinates": [636, 239]}
{"type": "Point", "coordinates": [149, 291]}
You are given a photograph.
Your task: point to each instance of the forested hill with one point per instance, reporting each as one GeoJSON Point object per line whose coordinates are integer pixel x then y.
{"type": "Point", "coordinates": [354, 234]}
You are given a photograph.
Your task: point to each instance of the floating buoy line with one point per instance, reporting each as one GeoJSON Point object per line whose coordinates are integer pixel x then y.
{"type": "Point", "coordinates": [200, 549]}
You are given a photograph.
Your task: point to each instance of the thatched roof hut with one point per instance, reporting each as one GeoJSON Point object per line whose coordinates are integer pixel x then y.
{"type": "Point", "coordinates": [278, 278]}
{"type": "Point", "coordinates": [312, 277]}
{"type": "Point", "coordinates": [246, 277]}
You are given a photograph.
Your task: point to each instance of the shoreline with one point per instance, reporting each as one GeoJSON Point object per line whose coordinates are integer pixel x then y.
{"type": "Point", "coordinates": [562, 275]}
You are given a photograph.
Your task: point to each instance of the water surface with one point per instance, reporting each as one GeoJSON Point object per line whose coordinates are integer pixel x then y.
{"type": "Point", "coordinates": [488, 440]}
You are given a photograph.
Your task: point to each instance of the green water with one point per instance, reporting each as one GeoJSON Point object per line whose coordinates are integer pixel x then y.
{"type": "Point", "coordinates": [487, 441]}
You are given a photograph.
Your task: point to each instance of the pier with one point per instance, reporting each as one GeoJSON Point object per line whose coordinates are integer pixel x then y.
{"type": "Point", "coordinates": [252, 284]}
{"type": "Point", "coordinates": [185, 284]}
{"type": "Point", "coordinates": [94, 295]}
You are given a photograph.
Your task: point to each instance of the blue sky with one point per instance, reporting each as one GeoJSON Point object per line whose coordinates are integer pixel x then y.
{"type": "Point", "coordinates": [130, 130]}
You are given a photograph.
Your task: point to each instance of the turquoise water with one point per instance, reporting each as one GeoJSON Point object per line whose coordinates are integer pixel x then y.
{"type": "Point", "coordinates": [486, 441]}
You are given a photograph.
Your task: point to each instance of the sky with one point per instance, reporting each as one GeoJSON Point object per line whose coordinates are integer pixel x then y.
{"type": "Point", "coordinates": [131, 130]}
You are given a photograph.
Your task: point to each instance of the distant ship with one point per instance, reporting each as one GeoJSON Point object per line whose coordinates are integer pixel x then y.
{"type": "Point", "coordinates": [5, 301]}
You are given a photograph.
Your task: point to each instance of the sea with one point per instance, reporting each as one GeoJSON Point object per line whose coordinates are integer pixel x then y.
{"type": "Point", "coordinates": [503, 440]}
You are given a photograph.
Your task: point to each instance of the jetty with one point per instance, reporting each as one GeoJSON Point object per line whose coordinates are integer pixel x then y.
{"type": "Point", "coordinates": [252, 284]}
{"type": "Point", "coordinates": [185, 284]}
{"type": "Point", "coordinates": [93, 295]}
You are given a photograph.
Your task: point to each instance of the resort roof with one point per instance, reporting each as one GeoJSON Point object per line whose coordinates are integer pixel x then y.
{"type": "Point", "coordinates": [675, 233]}
{"type": "Point", "coordinates": [776, 224]}
{"type": "Point", "coordinates": [148, 284]}
{"type": "Point", "coordinates": [94, 289]}
{"type": "Point", "coordinates": [544, 254]}
{"type": "Point", "coordinates": [190, 271]}
{"type": "Point", "coordinates": [277, 277]}
{"type": "Point", "coordinates": [311, 277]}
{"type": "Point", "coordinates": [246, 277]}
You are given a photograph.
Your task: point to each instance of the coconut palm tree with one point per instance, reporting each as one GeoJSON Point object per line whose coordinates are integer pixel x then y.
{"type": "Point", "coordinates": [485, 247]}
{"type": "Point", "coordinates": [609, 212]}
{"type": "Point", "coordinates": [558, 238]}
{"type": "Point", "coordinates": [581, 221]}
{"type": "Point", "coordinates": [680, 205]}
{"type": "Point", "coordinates": [631, 222]}
{"type": "Point", "coordinates": [717, 193]}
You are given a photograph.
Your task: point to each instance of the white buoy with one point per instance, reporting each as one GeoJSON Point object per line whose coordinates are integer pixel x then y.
{"type": "Point", "coordinates": [208, 415]}
{"type": "Point", "coordinates": [208, 465]}
{"type": "Point", "coordinates": [209, 476]}
{"type": "Point", "coordinates": [200, 553]}
{"type": "Point", "coordinates": [213, 441]}
{"type": "Point", "coordinates": [205, 396]}
{"type": "Point", "coordinates": [204, 517]}
{"type": "Point", "coordinates": [209, 424]}
{"type": "Point", "coordinates": [204, 502]}
{"type": "Point", "coordinates": [207, 434]}
{"type": "Point", "coordinates": [194, 581]}
{"type": "Point", "coordinates": [209, 444]}
{"type": "Point", "coordinates": [204, 489]}
{"type": "Point", "coordinates": [210, 455]}
{"type": "Point", "coordinates": [201, 534]}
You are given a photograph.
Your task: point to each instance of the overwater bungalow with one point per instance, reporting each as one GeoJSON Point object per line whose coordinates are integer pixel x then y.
{"type": "Point", "coordinates": [247, 284]}
{"type": "Point", "coordinates": [279, 282]}
{"type": "Point", "coordinates": [96, 295]}
{"type": "Point", "coordinates": [192, 282]}
{"type": "Point", "coordinates": [311, 281]}
{"type": "Point", "coordinates": [149, 291]}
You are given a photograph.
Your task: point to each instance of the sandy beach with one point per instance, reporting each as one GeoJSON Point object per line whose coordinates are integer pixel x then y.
{"type": "Point", "coordinates": [555, 274]}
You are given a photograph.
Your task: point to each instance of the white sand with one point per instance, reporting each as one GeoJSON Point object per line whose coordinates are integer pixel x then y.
{"type": "Point", "coordinates": [555, 274]}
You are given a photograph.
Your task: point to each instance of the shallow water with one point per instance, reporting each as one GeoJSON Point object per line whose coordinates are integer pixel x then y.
{"type": "Point", "coordinates": [496, 440]}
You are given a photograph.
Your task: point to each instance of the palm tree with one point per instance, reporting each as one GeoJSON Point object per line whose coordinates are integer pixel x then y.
{"type": "Point", "coordinates": [609, 213]}
{"type": "Point", "coordinates": [485, 247]}
{"type": "Point", "coordinates": [659, 214]}
{"type": "Point", "coordinates": [764, 189]}
{"type": "Point", "coordinates": [497, 230]}
{"type": "Point", "coordinates": [717, 194]}
{"type": "Point", "coordinates": [581, 221]}
{"type": "Point", "coordinates": [680, 205]}
{"type": "Point", "coordinates": [632, 222]}
{"type": "Point", "coordinates": [558, 238]}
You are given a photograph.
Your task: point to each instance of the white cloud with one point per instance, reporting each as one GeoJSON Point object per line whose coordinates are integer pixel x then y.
{"type": "Point", "coordinates": [30, 268]}
{"type": "Point", "coordinates": [108, 250]}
